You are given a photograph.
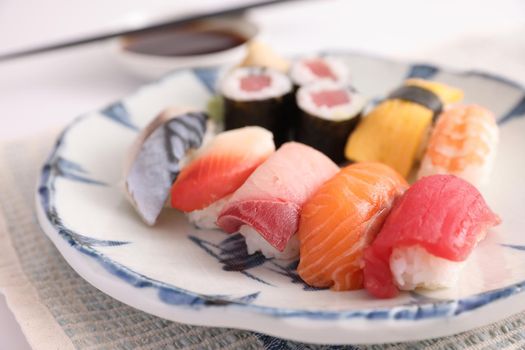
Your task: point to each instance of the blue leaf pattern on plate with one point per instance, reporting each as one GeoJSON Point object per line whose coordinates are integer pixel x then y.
{"type": "Point", "coordinates": [517, 111]}
{"type": "Point", "coordinates": [423, 71]}
{"type": "Point", "coordinates": [290, 271]}
{"type": "Point", "coordinates": [118, 113]}
{"type": "Point", "coordinates": [272, 343]}
{"type": "Point", "coordinates": [72, 171]}
{"type": "Point", "coordinates": [233, 255]}
{"type": "Point", "coordinates": [514, 246]}
{"type": "Point", "coordinates": [207, 76]}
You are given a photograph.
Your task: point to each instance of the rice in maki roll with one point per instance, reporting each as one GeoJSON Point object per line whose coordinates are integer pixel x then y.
{"type": "Point", "coordinates": [258, 96]}
{"type": "Point", "coordinates": [311, 69]}
{"type": "Point", "coordinates": [328, 112]}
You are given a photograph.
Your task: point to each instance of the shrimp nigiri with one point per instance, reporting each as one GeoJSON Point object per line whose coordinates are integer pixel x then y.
{"type": "Point", "coordinates": [463, 143]}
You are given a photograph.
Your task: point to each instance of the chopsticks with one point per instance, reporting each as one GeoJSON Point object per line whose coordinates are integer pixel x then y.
{"type": "Point", "coordinates": [148, 28]}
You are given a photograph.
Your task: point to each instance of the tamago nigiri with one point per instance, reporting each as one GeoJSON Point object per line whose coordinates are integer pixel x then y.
{"type": "Point", "coordinates": [266, 208]}
{"type": "Point", "coordinates": [431, 230]}
{"type": "Point", "coordinates": [222, 166]}
{"type": "Point", "coordinates": [394, 132]}
{"type": "Point", "coordinates": [341, 219]}
{"type": "Point", "coordinates": [463, 143]}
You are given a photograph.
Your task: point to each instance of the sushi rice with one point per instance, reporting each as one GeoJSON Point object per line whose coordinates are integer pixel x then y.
{"type": "Point", "coordinates": [413, 267]}
{"type": "Point", "coordinates": [206, 218]}
{"type": "Point", "coordinates": [278, 84]}
{"type": "Point", "coordinates": [355, 102]}
{"type": "Point", "coordinates": [302, 73]}
{"type": "Point", "coordinates": [256, 243]}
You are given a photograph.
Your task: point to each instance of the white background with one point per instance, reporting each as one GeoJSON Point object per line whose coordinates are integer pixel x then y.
{"type": "Point", "coordinates": [45, 92]}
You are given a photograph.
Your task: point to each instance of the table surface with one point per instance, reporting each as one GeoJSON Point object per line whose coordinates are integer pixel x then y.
{"type": "Point", "coordinates": [44, 92]}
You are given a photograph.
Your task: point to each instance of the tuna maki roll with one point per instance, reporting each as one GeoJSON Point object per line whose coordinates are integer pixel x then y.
{"type": "Point", "coordinates": [328, 112]}
{"type": "Point", "coordinates": [311, 69]}
{"type": "Point", "coordinates": [258, 96]}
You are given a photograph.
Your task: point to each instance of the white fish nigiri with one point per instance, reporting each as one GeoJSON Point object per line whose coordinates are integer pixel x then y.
{"type": "Point", "coordinates": [265, 209]}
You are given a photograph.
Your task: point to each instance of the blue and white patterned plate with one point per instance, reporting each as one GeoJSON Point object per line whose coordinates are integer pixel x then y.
{"type": "Point", "coordinates": [206, 277]}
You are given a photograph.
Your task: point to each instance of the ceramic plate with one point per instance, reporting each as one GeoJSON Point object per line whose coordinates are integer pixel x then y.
{"type": "Point", "coordinates": [206, 277]}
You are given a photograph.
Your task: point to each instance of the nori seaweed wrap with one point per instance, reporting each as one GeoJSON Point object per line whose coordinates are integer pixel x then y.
{"type": "Point", "coordinates": [328, 113]}
{"type": "Point", "coordinates": [258, 96]}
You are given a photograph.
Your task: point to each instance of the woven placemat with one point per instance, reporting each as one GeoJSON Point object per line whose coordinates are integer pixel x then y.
{"type": "Point", "coordinates": [57, 309]}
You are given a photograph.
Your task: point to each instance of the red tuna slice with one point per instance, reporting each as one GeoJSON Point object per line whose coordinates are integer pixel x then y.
{"type": "Point", "coordinates": [271, 198]}
{"type": "Point", "coordinates": [253, 83]}
{"type": "Point", "coordinates": [272, 217]}
{"type": "Point", "coordinates": [221, 167]}
{"type": "Point", "coordinates": [444, 214]}
{"type": "Point", "coordinates": [320, 69]}
{"type": "Point", "coordinates": [330, 98]}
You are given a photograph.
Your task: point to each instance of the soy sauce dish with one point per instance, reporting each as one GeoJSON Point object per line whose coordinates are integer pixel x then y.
{"type": "Point", "coordinates": [203, 43]}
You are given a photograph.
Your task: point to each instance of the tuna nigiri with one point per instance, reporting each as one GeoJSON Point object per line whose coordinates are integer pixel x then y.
{"type": "Point", "coordinates": [204, 186]}
{"type": "Point", "coordinates": [341, 219]}
{"type": "Point", "coordinates": [463, 143]}
{"type": "Point", "coordinates": [394, 132]}
{"type": "Point", "coordinates": [429, 232]}
{"type": "Point", "coordinates": [265, 209]}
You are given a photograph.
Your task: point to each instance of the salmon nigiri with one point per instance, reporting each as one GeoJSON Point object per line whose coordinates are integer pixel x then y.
{"type": "Point", "coordinates": [427, 236]}
{"type": "Point", "coordinates": [222, 166]}
{"type": "Point", "coordinates": [266, 208]}
{"type": "Point", "coordinates": [341, 219]}
{"type": "Point", "coordinates": [463, 143]}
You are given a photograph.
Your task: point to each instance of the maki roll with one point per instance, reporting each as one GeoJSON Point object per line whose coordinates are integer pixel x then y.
{"type": "Point", "coordinates": [258, 96]}
{"type": "Point", "coordinates": [311, 69]}
{"type": "Point", "coordinates": [463, 143]}
{"type": "Point", "coordinates": [219, 168]}
{"type": "Point", "coordinates": [328, 112]}
{"type": "Point", "coordinates": [266, 208]}
{"type": "Point", "coordinates": [341, 219]}
{"type": "Point", "coordinates": [395, 131]}
{"type": "Point", "coordinates": [430, 232]}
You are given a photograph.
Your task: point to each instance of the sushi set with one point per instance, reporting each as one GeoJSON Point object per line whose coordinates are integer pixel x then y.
{"type": "Point", "coordinates": [295, 202]}
{"type": "Point", "coordinates": [283, 195]}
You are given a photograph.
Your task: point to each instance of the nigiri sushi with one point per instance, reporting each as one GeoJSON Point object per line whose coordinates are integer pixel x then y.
{"type": "Point", "coordinates": [429, 233]}
{"type": "Point", "coordinates": [341, 219]}
{"type": "Point", "coordinates": [222, 166]}
{"type": "Point", "coordinates": [463, 143]}
{"type": "Point", "coordinates": [158, 154]}
{"type": "Point", "coordinates": [395, 131]}
{"type": "Point", "coordinates": [266, 208]}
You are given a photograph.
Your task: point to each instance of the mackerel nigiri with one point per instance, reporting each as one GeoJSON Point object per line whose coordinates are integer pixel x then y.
{"type": "Point", "coordinates": [463, 143]}
{"type": "Point", "coordinates": [158, 154]}
{"type": "Point", "coordinates": [341, 219]}
{"type": "Point", "coordinates": [222, 166]}
{"type": "Point", "coordinates": [431, 230]}
{"type": "Point", "coordinates": [266, 208]}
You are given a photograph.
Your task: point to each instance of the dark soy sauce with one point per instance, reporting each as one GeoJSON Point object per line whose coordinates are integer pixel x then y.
{"type": "Point", "coordinates": [183, 41]}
